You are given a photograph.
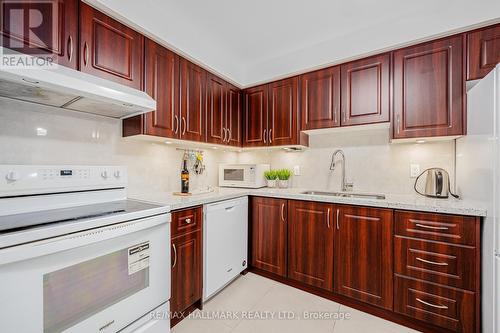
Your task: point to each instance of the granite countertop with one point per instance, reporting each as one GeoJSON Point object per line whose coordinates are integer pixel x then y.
{"type": "Point", "coordinates": [394, 201]}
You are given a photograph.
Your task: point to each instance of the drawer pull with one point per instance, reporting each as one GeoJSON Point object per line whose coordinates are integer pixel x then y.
{"type": "Point", "coordinates": [431, 227]}
{"type": "Point", "coordinates": [188, 221]}
{"type": "Point", "coordinates": [432, 305]}
{"type": "Point", "coordinates": [432, 262]}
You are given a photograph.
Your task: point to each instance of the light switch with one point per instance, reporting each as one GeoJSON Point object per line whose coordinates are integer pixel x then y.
{"type": "Point", "coordinates": [414, 170]}
{"type": "Point", "coordinates": [296, 170]}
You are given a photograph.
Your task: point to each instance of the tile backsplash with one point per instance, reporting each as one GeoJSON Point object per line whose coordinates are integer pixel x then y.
{"type": "Point", "coordinates": [33, 134]}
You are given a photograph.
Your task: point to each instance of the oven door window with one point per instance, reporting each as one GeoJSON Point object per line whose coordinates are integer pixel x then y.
{"type": "Point", "coordinates": [75, 293]}
{"type": "Point", "coordinates": [234, 174]}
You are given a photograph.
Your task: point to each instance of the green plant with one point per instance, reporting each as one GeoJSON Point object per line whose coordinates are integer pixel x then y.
{"type": "Point", "coordinates": [271, 174]}
{"type": "Point", "coordinates": [284, 174]}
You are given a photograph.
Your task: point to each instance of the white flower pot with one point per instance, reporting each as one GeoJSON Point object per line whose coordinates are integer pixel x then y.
{"type": "Point", "coordinates": [271, 183]}
{"type": "Point", "coordinates": [283, 183]}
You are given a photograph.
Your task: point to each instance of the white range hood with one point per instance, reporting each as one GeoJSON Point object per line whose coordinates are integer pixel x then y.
{"type": "Point", "coordinates": [70, 89]}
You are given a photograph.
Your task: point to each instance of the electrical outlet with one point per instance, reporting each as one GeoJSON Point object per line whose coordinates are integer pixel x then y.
{"type": "Point", "coordinates": [296, 170]}
{"type": "Point", "coordinates": [414, 170]}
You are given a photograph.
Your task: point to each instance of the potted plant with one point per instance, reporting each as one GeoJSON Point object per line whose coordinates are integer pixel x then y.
{"type": "Point", "coordinates": [271, 176]}
{"type": "Point", "coordinates": [283, 176]}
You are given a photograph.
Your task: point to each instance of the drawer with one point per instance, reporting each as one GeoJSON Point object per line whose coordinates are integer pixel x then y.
{"type": "Point", "coordinates": [440, 227]}
{"type": "Point", "coordinates": [186, 220]}
{"type": "Point", "coordinates": [452, 265]}
{"type": "Point", "coordinates": [450, 308]}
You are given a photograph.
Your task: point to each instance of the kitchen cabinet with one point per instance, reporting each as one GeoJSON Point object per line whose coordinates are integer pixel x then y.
{"type": "Point", "coordinates": [365, 89]}
{"type": "Point", "coordinates": [310, 243]}
{"type": "Point", "coordinates": [282, 117]}
{"type": "Point", "coordinates": [269, 234]}
{"type": "Point", "coordinates": [192, 101]}
{"type": "Point", "coordinates": [187, 254]}
{"type": "Point", "coordinates": [320, 99]}
{"type": "Point", "coordinates": [363, 254]}
{"type": "Point", "coordinates": [255, 134]}
{"type": "Point", "coordinates": [429, 89]}
{"type": "Point", "coordinates": [233, 116]}
{"type": "Point", "coordinates": [483, 51]}
{"type": "Point", "coordinates": [109, 49]}
{"type": "Point", "coordinates": [61, 44]}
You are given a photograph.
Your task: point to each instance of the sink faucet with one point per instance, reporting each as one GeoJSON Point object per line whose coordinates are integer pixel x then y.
{"type": "Point", "coordinates": [345, 185]}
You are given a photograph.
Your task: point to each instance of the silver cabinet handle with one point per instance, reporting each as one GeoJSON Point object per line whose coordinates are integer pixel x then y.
{"type": "Point", "coordinates": [431, 227]}
{"type": "Point", "coordinates": [270, 136]}
{"type": "Point", "coordinates": [432, 305]}
{"type": "Point", "coordinates": [335, 115]}
{"type": "Point", "coordinates": [185, 125]}
{"type": "Point", "coordinates": [175, 255]}
{"type": "Point", "coordinates": [343, 116]}
{"type": "Point", "coordinates": [432, 262]}
{"type": "Point", "coordinates": [176, 124]}
{"type": "Point", "coordinates": [188, 221]}
{"type": "Point", "coordinates": [328, 218]}
{"type": "Point", "coordinates": [86, 54]}
{"type": "Point", "coordinates": [229, 136]}
{"type": "Point", "coordinates": [70, 48]}
{"type": "Point", "coordinates": [397, 124]}
{"type": "Point", "coordinates": [338, 212]}
{"type": "Point", "coordinates": [265, 132]}
{"type": "Point", "coordinates": [283, 212]}
{"type": "Point", "coordinates": [224, 134]}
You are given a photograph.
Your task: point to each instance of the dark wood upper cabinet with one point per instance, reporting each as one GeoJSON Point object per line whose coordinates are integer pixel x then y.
{"type": "Point", "coordinates": [429, 88]}
{"type": "Point", "coordinates": [282, 118]}
{"type": "Point", "coordinates": [483, 51]}
{"type": "Point", "coordinates": [216, 110]}
{"type": "Point", "coordinates": [255, 120]}
{"type": "Point", "coordinates": [233, 116]}
{"type": "Point", "coordinates": [320, 99]}
{"type": "Point", "coordinates": [109, 49]}
{"type": "Point", "coordinates": [310, 243]}
{"type": "Point", "coordinates": [61, 44]}
{"type": "Point", "coordinates": [363, 254]}
{"type": "Point", "coordinates": [366, 91]}
{"type": "Point", "coordinates": [269, 234]}
{"type": "Point", "coordinates": [192, 101]}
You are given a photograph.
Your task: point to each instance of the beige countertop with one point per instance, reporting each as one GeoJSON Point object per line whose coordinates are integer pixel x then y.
{"type": "Point", "coordinates": [394, 201]}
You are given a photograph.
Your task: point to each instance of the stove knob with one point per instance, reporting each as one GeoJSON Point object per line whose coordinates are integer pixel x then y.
{"type": "Point", "coordinates": [13, 176]}
{"type": "Point", "coordinates": [104, 174]}
{"type": "Point", "coordinates": [117, 174]}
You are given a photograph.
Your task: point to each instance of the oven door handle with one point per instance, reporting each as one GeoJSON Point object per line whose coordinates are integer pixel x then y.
{"type": "Point", "coordinates": [62, 243]}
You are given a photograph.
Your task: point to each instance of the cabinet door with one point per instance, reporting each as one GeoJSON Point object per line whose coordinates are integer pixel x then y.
{"type": "Point", "coordinates": [282, 127]}
{"type": "Point", "coordinates": [192, 102]}
{"type": "Point", "coordinates": [216, 110]}
{"type": "Point", "coordinates": [256, 117]}
{"type": "Point", "coordinates": [233, 115]}
{"type": "Point", "coordinates": [109, 49]}
{"type": "Point", "coordinates": [269, 230]}
{"type": "Point", "coordinates": [483, 51]}
{"type": "Point", "coordinates": [320, 99]}
{"type": "Point", "coordinates": [366, 91]}
{"type": "Point", "coordinates": [429, 89]}
{"type": "Point", "coordinates": [186, 270]}
{"type": "Point", "coordinates": [310, 243]}
{"type": "Point", "coordinates": [39, 38]}
{"type": "Point", "coordinates": [162, 77]}
{"type": "Point", "coordinates": [363, 254]}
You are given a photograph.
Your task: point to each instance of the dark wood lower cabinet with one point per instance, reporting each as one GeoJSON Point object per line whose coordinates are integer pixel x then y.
{"type": "Point", "coordinates": [363, 254]}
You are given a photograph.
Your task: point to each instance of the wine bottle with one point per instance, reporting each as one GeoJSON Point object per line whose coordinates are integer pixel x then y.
{"type": "Point", "coordinates": [184, 178]}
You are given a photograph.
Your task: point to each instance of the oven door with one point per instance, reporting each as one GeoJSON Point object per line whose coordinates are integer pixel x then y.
{"type": "Point", "coordinates": [99, 280]}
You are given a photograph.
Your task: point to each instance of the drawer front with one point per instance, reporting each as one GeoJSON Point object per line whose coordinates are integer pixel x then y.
{"type": "Point", "coordinates": [440, 227]}
{"type": "Point", "coordinates": [452, 265]}
{"type": "Point", "coordinates": [186, 220]}
{"type": "Point", "coordinates": [450, 308]}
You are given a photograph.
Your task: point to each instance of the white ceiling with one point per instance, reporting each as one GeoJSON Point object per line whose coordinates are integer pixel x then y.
{"type": "Point", "coordinates": [259, 40]}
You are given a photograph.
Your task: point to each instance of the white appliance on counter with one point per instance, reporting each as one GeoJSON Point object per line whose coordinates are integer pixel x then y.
{"type": "Point", "coordinates": [225, 239]}
{"type": "Point", "coordinates": [77, 256]}
{"type": "Point", "coordinates": [242, 175]}
{"type": "Point", "coordinates": [478, 179]}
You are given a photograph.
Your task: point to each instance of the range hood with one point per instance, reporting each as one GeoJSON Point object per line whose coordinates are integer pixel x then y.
{"type": "Point", "coordinates": [70, 89]}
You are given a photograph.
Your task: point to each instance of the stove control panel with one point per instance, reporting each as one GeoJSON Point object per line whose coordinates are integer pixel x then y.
{"type": "Point", "coordinates": [38, 179]}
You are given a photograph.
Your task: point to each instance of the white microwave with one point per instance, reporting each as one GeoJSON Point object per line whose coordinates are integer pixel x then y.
{"type": "Point", "coordinates": [242, 175]}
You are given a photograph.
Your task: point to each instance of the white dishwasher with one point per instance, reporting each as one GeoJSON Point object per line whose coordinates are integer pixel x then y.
{"type": "Point", "coordinates": [225, 240]}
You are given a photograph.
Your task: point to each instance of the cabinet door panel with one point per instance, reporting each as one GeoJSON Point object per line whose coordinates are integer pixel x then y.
{"type": "Point", "coordinates": [363, 254]}
{"type": "Point", "coordinates": [483, 51]}
{"type": "Point", "coordinates": [216, 106]}
{"type": "Point", "coordinates": [256, 117]}
{"type": "Point", "coordinates": [283, 112]}
{"type": "Point", "coordinates": [56, 35]}
{"type": "Point", "coordinates": [269, 230]}
{"type": "Point", "coordinates": [233, 115]}
{"type": "Point", "coordinates": [109, 49]}
{"type": "Point", "coordinates": [429, 89]}
{"type": "Point", "coordinates": [320, 99]}
{"type": "Point", "coordinates": [162, 77]}
{"type": "Point", "coordinates": [366, 91]}
{"type": "Point", "coordinates": [310, 243]}
{"type": "Point", "coordinates": [192, 102]}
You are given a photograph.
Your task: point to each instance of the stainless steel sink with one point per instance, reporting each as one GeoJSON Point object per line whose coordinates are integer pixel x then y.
{"type": "Point", "coordinates": [347, 194]}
